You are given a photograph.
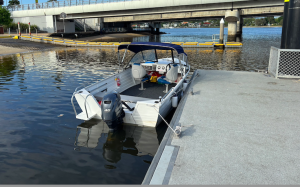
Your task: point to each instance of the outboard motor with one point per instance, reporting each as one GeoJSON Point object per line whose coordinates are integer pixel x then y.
{"type": "Point", "coordinates": [112, 110]}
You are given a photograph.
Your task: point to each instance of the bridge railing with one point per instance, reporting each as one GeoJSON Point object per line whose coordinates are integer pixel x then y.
{"type": "Point", "coordinates": [56, 4]}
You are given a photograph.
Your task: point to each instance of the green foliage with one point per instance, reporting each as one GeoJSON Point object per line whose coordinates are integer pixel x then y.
{"type": "Point", "coordinates": [249, 21]}
{"type": "Point", "coordinates": [260, 22]}
{"type": "Point", "coordinates": [51, 0]}
{"type": "Point", "coordinates": [23, 27]}
{"type": "Point", "coordinates": [279, 20]}
{"type": "Point", "coordinates": [4, 16]}
{"type": "Point", "coordinates": [13, 2]}
{"type": "Point", "coordinates": [270, 20]}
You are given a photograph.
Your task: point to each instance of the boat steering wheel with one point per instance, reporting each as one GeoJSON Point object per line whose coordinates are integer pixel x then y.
{"type": "Point", "coordinates": [167, 69]}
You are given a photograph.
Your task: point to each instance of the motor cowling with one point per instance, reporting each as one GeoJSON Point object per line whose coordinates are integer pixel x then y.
{"type": "Point", "coordinates": [112, 110]}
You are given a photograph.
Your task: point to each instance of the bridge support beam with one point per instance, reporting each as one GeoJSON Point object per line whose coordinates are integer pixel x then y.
{"type": "Point", "coordinates": [100, 24]}
{"type": "Point", "coordinates": [239, 29]}
{"type": "Point", "coordinates": [221, 38]}
{"type": "Point", "coordinates": [157, 30]}
{"type": "Point", "coordinates": [232, 16]}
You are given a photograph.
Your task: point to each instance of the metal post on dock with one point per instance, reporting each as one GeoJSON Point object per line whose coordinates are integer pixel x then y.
{"type": "Point", "coordinates": [293, 25]}
{"type": "Point", "coordinates": [221, 39]}
{"type": "Point", "coordinates": [19, 29]}
{"type": "Point", "coordinates": [29, 30]}
{"type": "Point", "coordinates": [284, 25]}
{"type": "Point", "coordinates": [84, 28]}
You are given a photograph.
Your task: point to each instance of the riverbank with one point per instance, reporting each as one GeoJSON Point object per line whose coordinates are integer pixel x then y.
{"type": "Point", "coordinates": [224, 27]}
{"type": "Point", "coordinates": [113, 37]}
{"type": "Point", "coordinates": [11, 46]}
{"type": "Point", "coordinates": [11, 50]}
{"type": "Point", "coordinates": [110, 37]}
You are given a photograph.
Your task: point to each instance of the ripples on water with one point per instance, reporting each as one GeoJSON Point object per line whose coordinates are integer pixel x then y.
{"type": "Point", "coordinates": [39, 145]}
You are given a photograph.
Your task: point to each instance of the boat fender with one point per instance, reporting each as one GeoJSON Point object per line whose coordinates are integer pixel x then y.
{"type": "Point", "coordinates": [185, 84]}
{"type": "Point", "coordinates": [174, 101]}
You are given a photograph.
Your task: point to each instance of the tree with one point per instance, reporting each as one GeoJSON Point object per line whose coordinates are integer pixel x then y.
{"type": "Point", "coordinates": [270, 20]}
{"type": "Point", "coordinates": [260, 22]}
{"type": "Point", "coordinates": [51, 0]}
{"type": "Point", "coordinates": [4, 16]}
{"type": "Point", "coordinates": [13, 2]}
{"type": "Point", "coordinates": [279, 20]}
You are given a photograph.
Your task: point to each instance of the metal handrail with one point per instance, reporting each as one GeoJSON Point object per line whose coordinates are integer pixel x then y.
{"type": "Point", "coordinates": [173, 88]}
{"type": "Point", "coordinates": [167, 94]}
{"type": "Point", "coordinates": [85, 106]}
{"type": "Point", "coordinates": [56, 4]}
{"type": "Point", "coordinates": [73, 103]}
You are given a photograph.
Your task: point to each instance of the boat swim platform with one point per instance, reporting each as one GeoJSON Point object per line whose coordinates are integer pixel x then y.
{"type": "Point", "coordinates": [238, 128]}
{"type": "Point", "coordinates": [76, 43]}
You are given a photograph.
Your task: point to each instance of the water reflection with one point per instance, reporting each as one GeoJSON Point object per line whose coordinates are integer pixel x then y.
{"type": "Point", "coordinates": [132, 140]}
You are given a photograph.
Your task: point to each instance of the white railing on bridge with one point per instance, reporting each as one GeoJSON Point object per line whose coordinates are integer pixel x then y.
{"type": "Point", "coordinates": [57, 4]}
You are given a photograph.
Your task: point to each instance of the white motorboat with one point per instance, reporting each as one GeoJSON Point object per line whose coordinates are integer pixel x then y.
{"type": "Point", "coordinates": [143, 92]}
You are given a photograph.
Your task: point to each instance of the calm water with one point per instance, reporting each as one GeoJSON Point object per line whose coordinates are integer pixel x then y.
{"type": "Point", "coordinates": [254, 54]}
{"type": "Point", "coordinates": [42, 142]}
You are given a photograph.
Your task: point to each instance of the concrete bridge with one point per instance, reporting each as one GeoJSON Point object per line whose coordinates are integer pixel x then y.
{"type": "Point", "coordinates": [121, 13]}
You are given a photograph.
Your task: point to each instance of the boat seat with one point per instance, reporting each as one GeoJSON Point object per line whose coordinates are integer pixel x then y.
{"type": "Point", "coordinates": [171, 76]}
{"type": "Point", "coordinates": [138, 73]}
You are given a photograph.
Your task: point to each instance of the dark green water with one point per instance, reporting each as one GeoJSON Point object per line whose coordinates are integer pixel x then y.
{"type": "Point", "coordinates": [41, 142]}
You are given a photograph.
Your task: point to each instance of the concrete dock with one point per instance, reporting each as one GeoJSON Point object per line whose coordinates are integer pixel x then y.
{"type": "Point", "coordinates": [237, 128]}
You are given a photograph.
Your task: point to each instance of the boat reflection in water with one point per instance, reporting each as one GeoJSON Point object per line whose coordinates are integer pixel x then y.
{"type": "Point", "coordinates": [133, 140]}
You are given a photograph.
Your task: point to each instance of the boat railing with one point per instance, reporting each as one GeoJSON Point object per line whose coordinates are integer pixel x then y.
{"type": "Point", "coordinates": [73, 103]}
{"type": "Point", "coordinates": [168, 93]}
{"type": "Point", "coordinates": [172, 90]}
{"type": "Point", "coordinates": [73, 97]}
{"type": "Point", "coordinates": [87, 117]}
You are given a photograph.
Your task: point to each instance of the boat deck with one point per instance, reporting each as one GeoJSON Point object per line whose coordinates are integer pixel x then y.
{"type": "Point", "coordinates": [153, 90]}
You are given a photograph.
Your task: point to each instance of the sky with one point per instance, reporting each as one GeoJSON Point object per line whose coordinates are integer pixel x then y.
{"type": "Point", "coordinates": [26, 1]}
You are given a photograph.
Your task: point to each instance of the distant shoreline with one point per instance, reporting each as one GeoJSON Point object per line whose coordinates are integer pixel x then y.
{"type": "Point", "coordinates": [219, 27]}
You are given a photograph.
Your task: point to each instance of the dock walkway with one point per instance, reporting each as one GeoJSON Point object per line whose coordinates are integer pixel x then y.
{"type": "Point", "coordinates": [237, 128]}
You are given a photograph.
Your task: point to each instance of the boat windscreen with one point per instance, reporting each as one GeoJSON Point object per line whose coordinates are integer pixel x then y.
{"type": "Point", "coordinates": [144, 56]}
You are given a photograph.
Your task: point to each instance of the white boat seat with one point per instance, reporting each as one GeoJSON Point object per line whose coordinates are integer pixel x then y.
{"type": "Point", "coordinates": [138, 73]}
{"type": "Point", "coordinates": [171, 76]}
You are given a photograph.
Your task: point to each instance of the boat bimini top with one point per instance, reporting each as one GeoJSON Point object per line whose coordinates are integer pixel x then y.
{"type": "Point", "coordinates": [142, 46]}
